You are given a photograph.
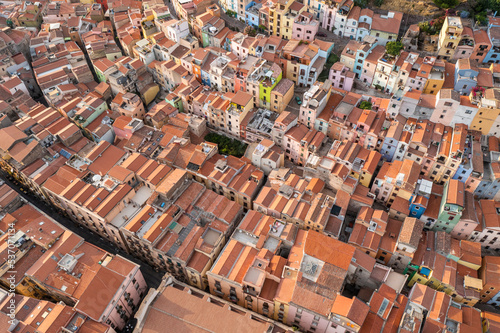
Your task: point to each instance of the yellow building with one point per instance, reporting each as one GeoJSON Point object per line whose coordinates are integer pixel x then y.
{"type": "Point", "coordinates": [435, 80]}
{"type": "Point", "coordinates": [369, 168]}
{"type": "Point", "coordinates": [487, 117]}
{"type": "Point", "coordinates": [30, 16]}
{"type": "Point", "coordinates": [449, 37]}
{"type": "Point", "coordinates": [149, 93]}
{"type": "Point", "coordinates": [282, 16]}
{"type": "Point", "coordinates": [484, 120]}
{"type": "Point", "coordinates": [281, 95]}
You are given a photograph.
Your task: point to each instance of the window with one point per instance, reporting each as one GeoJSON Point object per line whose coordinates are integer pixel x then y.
{"type": "Point", "coordinates": [383, 307]}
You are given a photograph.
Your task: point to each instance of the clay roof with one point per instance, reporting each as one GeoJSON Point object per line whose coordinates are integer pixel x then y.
{"type": "Point", "coordinates": [182, 312]}
{"type": "Point", "coordinates": [411, 231]}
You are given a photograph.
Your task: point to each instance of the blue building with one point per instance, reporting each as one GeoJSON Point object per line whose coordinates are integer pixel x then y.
{"type": "Point", "coordinates": [252, 13]}
{"type": "Point", "coordinates": [364, 49]}
{"type": "Point", "coordinates": [466, 72]}
{"type": "Point", "coordinates": [205, 69]}
{"type": "Point", "coordinates": [391, 140]}
{"type": "Point", "coordinates": [493, 55]}
{"type": "Point", "coordinates": [467, 168]}
{"type": "Point", "coordinates": [463, 172]}
{"type": "Point", "coordinates": [490, 183]}
{"type": "Point", "coordinates": [420, 198]}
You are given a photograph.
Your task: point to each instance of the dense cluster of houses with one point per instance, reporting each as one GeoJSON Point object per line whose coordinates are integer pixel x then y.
{"type": "Point", "coordinates": [349, 212]}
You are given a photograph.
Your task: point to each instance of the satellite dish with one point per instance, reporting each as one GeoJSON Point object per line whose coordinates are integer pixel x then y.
{"type": "Point", "coordinates": [96, 178]}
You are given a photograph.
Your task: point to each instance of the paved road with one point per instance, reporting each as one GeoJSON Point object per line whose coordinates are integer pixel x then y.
{"type": "Point", "coordinates": [152, 277]}
{"type": "Point", "coordinates": [360, 87]}
{"type": "Point", "coordinates": [339, 42]}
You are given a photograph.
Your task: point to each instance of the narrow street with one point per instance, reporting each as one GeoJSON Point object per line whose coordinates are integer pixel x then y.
{"type": "Point", "coordinates": [152, 277]}
{"type": "Point", "coordinates": [361, 88]}
{"type": "Point", "coordinates": [339, 42]}
{"type": "Point", "coordinates": [232, 22]}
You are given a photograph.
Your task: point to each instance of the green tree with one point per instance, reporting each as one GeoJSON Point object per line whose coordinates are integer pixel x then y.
{"type": "Point", "coordinates": [361, 3]}
{"type": "Point", "coordinates": [226, 145]}
{"type": "Point", "coordinates": [446, 4]}
{"type": "Point", "coordinates": [250, 31]}
{"type": "Point", "coordinates": [394, 48]}
{"type": "Point", "coordinates": [365, 105]}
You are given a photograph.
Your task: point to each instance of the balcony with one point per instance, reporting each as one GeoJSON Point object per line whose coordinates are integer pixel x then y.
{"type": "Point", "coordinates": [466, 42]}
{"type": "Point", "coordinates": [218, 293]}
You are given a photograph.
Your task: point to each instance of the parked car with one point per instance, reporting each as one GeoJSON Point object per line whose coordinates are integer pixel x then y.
{"type": "Point", "coordinates": [299, 101]}
{"type": "Point", "coordinates": [321, 34]}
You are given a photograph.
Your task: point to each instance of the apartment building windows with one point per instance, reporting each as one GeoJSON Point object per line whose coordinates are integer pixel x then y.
{"type": "Point", "coordinates": [232, 295]}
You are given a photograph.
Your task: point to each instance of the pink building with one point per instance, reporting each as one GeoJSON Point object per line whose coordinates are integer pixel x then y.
{"type": "Point", "coordinates": [447, 102]}
{"type": "Point", "coordinates": [466, 45]}
{"type": "Point", "coordinates": [125, 126]}
{"type": "Point", "coordinates": [370, 64]}
{"type": "Point", "coordinates": [468, 221]}
{"type": "Point", "coordinates": [240, 45]}
{"type": "Point", "coordinates": [329, 17]}
{"type": "Point", "coordinates": [126, 286]}
{"type": "Point", "coordinates": [300, 141]}
{"type": "Point", "coordinates": [341, 77]}
{"type": "Point", "coordinates": [305, 27]}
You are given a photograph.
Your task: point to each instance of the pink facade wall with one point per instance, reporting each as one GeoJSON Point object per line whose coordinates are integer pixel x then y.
{"type": "Point", "coordinates": [368, 72]}
{"type": "Point", "coordinates": [292, 149]}
{"type": "Point", "coordinates": [463, 229]}
{"type": "Point", "coordinates": [240, 51]}
{"type": "Point", "coordinates": [306, 319]}
{"type": "Point", "coordinates": [304, 31]}
{"type": "Point", "coordinates": [444, 114]}
{"type": "Point", "coordinates": [416, 83]}
{"type": "Point", "coordinates": [134, 290]}
{"type": "Point", "coordinates": [463, 52]}
{"type": "Point", "coordinates": [340, 80]}
{"type": "Point", "coordinates": [329, 18]}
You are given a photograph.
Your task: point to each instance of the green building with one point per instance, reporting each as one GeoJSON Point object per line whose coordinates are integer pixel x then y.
{"type": "Point", "coordinates": [267, 82]}
{"type": "Point", "coordinates": [452, 205]}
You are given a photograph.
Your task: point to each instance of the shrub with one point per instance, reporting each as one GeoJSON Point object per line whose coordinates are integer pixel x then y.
{"type": "Point", "coordinates": [227, 146]}
{"type": "Point", "coordinates": [333, 58]}
{"type": "Point", "coordinates": [365, 105]}
{"type": "Point", "coordinates": [394, 48]}
{"type": "Point", "coordinates": [446, 4]}
{"type": "Point", "coordinates": [361, 3]}
{"type": "Point", "coordinates": [250, 31]}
